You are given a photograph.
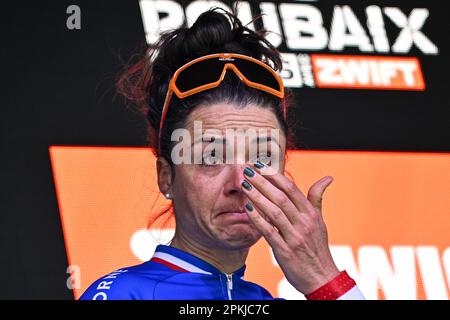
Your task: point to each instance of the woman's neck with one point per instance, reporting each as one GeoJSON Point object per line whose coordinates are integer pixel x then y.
{"type": "Point", "coordinates": [226, 261]}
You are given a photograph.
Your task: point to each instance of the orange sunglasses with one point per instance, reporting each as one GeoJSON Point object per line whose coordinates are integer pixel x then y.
{"type": "Point", "coordinates": [208, 71]}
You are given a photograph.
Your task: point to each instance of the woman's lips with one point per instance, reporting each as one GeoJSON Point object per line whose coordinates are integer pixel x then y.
{"type": "Point", "coordinates": [233, 212]}
{"type": "Point", "coordinates": [236, 211]}
{"type": "Point", "coordinates": [235, 215]}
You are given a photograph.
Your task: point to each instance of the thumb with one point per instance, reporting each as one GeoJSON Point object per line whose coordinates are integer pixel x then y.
{"type": "Point", "coordinates": [315, 193]}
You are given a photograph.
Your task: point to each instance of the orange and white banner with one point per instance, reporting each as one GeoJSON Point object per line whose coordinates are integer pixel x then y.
{"type": "Point", "coordinates": [387, 214]}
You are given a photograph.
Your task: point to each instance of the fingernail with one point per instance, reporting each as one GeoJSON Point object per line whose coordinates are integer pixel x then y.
{"type": "Point", "coordinates": [249, 206]}
{"type": "Point", "coordinates": [259, 164]}
{"type": "Point", "coordinates": [249, 172]}
{"type": "Point", "coordinates": [246, 185]}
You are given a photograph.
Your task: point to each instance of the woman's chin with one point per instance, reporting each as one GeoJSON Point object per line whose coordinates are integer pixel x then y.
{"type": "Point", "coordinates": [241, 236]}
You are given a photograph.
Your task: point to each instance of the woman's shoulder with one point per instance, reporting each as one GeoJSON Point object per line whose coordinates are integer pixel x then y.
{"type": "Point", "coordinates": [134, 282]}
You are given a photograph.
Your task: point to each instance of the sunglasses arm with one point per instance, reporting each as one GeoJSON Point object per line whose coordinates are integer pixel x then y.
{"type": "Point", "coordinates": [164, 114]}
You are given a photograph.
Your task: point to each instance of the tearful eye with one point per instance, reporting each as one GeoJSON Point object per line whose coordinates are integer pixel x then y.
{"type": "Point", "coordinates": [211, 159]}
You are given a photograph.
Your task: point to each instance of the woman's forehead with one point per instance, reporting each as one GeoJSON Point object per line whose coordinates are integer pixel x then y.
{"type": "Point", "coordinates": [223, 116]}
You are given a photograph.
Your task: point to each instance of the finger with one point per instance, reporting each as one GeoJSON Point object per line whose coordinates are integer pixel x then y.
{"type": "Point", "coordinates": [275, 195]}
{"type": "Point", "coordinates": [269, 233]}
{"type": "Point", "coordinates": [274, 213]}
{"type": "Point", "coordinates": [287, 186]}
{"type": "Point", "coordinates": [315, 193]}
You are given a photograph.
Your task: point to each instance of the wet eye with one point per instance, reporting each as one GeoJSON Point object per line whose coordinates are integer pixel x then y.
{"type": "Point", "coordinates": [264, 158]}
{"type": "Point", "coordinates": [210, 159]}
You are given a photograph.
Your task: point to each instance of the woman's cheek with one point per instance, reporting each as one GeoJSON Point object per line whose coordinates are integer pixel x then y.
{"type": "Point", "coordinates": [207, 187]}
{"type": "Point", "coordinates": [203, 183]}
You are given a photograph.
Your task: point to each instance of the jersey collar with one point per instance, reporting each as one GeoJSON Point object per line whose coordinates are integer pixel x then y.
{"type": "Point", "coordinates": [180, 260]}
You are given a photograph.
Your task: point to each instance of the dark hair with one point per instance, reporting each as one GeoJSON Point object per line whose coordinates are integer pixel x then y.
{"type": "Point", "coordinates": [145, 82]}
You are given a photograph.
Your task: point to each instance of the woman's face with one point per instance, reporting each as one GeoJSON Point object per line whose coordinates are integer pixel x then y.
{"type": "Point", "coordinates": [208, 199]}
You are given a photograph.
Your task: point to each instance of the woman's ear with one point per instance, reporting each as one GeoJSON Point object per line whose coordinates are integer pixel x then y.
{"type": "Point", "coordinates": [164, 171]}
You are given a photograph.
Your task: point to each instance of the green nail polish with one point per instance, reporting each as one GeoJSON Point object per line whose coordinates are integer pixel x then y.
{"type": "Point", "coordinates": [246, 185]}
{"type": "Point", "coordinates": [259, 164]}
{"type": "Point", "coordinates": [249, 206]}
{"type": "Point", "coordinates": [249, 172]}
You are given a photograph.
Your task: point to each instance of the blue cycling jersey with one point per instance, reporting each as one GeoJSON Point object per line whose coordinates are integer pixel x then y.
{"type": "Point", "coordinates": [173, 274]}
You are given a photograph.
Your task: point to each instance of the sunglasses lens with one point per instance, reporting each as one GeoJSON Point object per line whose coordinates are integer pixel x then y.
{"type": "Point", "coordinates": [199, 74]}
{"type": "Point", "coordinates": [256, 73]}
{"type": "Point", "coordinates": [209, 71]}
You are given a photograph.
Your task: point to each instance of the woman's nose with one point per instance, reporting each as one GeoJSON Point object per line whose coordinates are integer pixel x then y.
{"type": "Point", "coordinates": [234, 179]}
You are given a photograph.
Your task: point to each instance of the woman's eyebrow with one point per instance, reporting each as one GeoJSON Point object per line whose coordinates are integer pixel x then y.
{"type": "Point", "coordinates": [260, 139]}
{"type": "Point", "coordinates": [204, 138]}
{"type": "Point", "coordinates": [218, 139]}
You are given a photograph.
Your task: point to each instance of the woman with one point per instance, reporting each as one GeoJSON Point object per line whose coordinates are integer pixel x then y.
{"type": "Point", "coordinates": [222, 208]}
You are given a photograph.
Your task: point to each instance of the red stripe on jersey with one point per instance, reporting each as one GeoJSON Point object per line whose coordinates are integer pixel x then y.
{"type": "Point", "coordinates": [168, 264]}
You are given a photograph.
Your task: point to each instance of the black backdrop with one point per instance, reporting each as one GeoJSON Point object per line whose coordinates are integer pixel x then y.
{"type": "Point", "coordinates": [57, 89]}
